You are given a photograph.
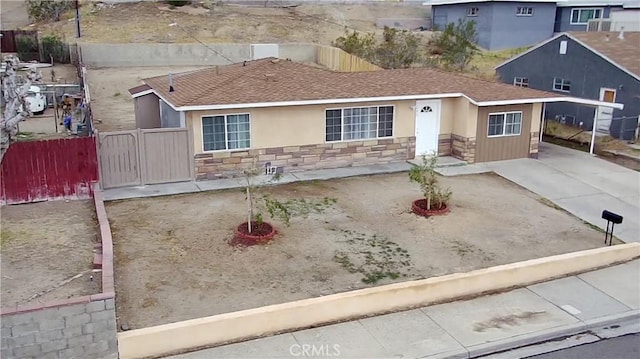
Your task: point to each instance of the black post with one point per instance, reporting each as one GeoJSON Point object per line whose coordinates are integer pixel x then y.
{"type": "Point", "coordinates": [77, 20]}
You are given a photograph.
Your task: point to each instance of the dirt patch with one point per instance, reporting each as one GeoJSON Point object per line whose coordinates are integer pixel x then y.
{"type": "Point", "coordinates": [149, 22]}
{"type": "Point", "coordinates": [173, 261]}
{"type": "Point", "coordinates": [111, 103]}
{"type": "Point", "coordinates": [44, 245]}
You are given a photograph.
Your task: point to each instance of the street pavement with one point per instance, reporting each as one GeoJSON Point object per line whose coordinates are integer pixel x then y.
{"type": "Point", "coordinates": [594, 301]}
{"type": "Point", "coordinates": [625, 347]}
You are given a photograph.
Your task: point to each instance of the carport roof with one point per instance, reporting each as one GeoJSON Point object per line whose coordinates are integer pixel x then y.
{"type": "Point", "coordinates": [277, 82]}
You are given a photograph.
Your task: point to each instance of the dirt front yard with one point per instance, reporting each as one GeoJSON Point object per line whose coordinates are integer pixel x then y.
{"type": "Point", "coordinates": [47, 252]}
{"type": "Point", "coordinates": [174, 261]}
{"type": "Point", "coordinates": [111, 103]}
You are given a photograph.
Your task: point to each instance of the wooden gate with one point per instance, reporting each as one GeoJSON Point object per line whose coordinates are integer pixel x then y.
{"type": "Point", "coordinates": [141, 157]}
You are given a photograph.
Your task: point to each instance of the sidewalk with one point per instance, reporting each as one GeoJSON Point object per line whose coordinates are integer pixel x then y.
{"type": "Point", "coordinates": [594, 301]}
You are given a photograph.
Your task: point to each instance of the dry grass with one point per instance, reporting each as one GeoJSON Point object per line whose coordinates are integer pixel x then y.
{"type": "Point", "coordinates": [603, 143]}
{"type": "Point", "coordinates": [484, 63]}
{"type": "Point", "coordinates": [149, 22]}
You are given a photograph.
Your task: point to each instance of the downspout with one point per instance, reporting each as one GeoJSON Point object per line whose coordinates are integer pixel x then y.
{"type": "Point", "coordinates": [542, 120]}
{"type": "Point", "coordinates": [593, 132]}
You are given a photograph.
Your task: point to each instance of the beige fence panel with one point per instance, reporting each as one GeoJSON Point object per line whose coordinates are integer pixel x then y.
{"type": "Point", "coordinates": [338, 60]}
{"type": "Point", "coordinates": [166, 155]}
{"type": "Point", "coordinates": [119, 160]}
{"type": "Point", "coordinates": [140, 157]}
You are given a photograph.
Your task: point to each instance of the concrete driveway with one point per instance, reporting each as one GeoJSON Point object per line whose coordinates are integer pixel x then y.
{"type": "Point", "coordinates": [581, 184]}
{"type": "Point", "coordinates": [13, 14]}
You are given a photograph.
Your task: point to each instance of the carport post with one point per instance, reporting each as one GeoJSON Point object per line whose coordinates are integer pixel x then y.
{"type": "Point", "coordinates": [593, 131]}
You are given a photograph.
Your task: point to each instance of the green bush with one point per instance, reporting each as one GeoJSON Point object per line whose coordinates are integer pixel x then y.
{"type": "Point", "coordinates": [178, 2]}
{"type": "Point", "coordinates": [27, 47]}
{"type": "Point", "coordinates": [52, 46]}
{"type": "Point", "coordinates": [48, 10]}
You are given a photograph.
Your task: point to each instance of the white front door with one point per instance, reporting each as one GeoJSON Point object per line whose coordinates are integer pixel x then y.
{"type": "Point", "coordinates": [605, 114]}
{"type": "Point", "coordinates": [427, 127]}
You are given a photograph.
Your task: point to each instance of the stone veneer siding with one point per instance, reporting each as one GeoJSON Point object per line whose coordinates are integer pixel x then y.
{"type": "Point", "coordinates": [463, 148]}
{"type": "Point", "coordinates": [444, 144]}
{"type": "Point", "coordinates": [228, 164]}
{"type": "Point", "coordinates": [533, 144]}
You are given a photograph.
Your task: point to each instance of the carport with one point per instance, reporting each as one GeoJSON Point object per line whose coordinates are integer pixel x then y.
{"type": "Point", "coordinates": [581, 101]}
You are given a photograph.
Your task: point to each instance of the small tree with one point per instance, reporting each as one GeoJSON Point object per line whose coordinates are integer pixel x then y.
{"type": "Point", "coordinates": [48, 10]}
{"type": "Point", "coordinates": [456, 45]}
{"type": "Point", "coordinates": [259, 202]}
{"type": "Point", "coordinates": [425, 175]}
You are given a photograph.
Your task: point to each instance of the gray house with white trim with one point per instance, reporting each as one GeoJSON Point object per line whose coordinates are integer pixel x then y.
{"type": "Point", "coordinates": [595, 65]}
{"type": "Point", "coordinates": [505, 24]}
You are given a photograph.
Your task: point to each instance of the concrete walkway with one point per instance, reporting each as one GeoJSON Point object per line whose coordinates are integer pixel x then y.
{"type": "Point", "coordinates": [575, 181]}
{"type": "Point", "coordinates": [595, 301]}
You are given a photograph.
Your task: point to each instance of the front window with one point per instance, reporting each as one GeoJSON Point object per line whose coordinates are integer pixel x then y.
{"type": "Point", "coordinates": [358, 123]}
{"type": "Point", "coordinates": [582, 16]}
{"type": "Point", "coordinates": [521, 81]}
{"type": "Point", "coordinates": [226, 132]}
{"type": "Point", "coordinates": [504, 124]}
{"type": "Point", "coordinates": [562, 85]}
{"type": "Point", "coordinates": [524, 11]}
{"type": "Point", "coordinates": [472, 11]}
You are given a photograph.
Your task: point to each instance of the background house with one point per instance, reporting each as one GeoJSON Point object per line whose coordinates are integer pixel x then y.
{"type": "Point", "coordinates": [296, 117]}
{"type": "Point", "coordinates": [597, 65]}
{"type": "Point", "coordinates": [510, 24]}
{"type": "Point", "coordinates": [607, 15]}
{"type": "Point", "coordinates": [500, 24]}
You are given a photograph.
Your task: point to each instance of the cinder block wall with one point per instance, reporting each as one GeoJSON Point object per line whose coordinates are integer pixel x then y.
{"type": "Point", "coordinates": [83, 330]}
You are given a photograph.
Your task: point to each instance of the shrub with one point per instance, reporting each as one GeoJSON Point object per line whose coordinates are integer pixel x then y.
{"type": "Point", "coordinates": [456, 44]}
{"type": "Point", "coordinates": [178, 3]}
{"type": "Point", "coordinates": [54, 47]}
{"type": "Point", "coordinates": [48, 10]}
{"type": "Point", "coordinates": [398, 49]}
{"type": "Point", "coordinates": [27, 47]}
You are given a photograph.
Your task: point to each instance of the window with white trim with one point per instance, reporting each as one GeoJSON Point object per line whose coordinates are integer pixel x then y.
{"type": "Point", "coordinates": [473, 11]}
{"type": "Point", "coordinates": [358, 123]}
{"type": "Point", "coordinates": [582, 16]}
{"type": "Point", "coordinates": [504, 124]}
{"type": "Point", "coordinates": [524, 11]}
{"type": "Point", "coordinates": [560, 84]}
{"type": "Point", "coordinates": [226, 132]}
{"type": "Point", "coordinates": [521, 81]}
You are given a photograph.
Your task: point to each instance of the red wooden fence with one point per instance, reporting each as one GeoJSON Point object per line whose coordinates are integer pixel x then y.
{"type": "Point", "coordinates": [48, 170]}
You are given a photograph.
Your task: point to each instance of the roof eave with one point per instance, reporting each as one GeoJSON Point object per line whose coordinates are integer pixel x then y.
{"type": "Point", "coordinates": [577, 100]}
{"type": "Point", "coordinates": [318, 102]}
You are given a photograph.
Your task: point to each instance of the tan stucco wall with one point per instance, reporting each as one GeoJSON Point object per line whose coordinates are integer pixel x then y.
{"type": "Point", "coordinates": [299, 125]}
{"type": "Point", "coordinates": [463, 120]}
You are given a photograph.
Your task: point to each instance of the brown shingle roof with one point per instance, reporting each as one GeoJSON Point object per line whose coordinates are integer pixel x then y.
{"type": "Point", "coordinates": [138, 89]}
{"type": "Point", "coordinates": [625, 53]}
{"type": "Point", "coordinates": [272, 80]}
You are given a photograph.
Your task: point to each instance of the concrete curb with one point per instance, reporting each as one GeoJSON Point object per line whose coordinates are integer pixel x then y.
{"type": "Point", "coordinates": [550, 334]}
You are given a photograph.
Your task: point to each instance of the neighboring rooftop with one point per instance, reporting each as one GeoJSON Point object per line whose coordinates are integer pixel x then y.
{"type": "Point", "coordinates": [623, 52]}
{"type": "Point", "coordinates": [275, 80]}
{"type": "Point", "coordinates": [560, 3]}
